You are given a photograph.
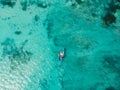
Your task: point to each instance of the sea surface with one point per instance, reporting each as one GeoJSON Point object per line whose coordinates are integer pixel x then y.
{"type": "Point", "coordinates": [34, 32]}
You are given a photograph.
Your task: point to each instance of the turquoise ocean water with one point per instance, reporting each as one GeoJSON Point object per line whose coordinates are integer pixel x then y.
{"type": "Point", "coordinates": [33, 32]}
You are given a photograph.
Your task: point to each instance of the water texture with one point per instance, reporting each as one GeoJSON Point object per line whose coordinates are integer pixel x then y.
{"type": "Point", "coordinates": [33, 32]}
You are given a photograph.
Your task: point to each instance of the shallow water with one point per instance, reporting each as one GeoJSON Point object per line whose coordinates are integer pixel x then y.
{"type": "Point", "coordinates": [34, 32]}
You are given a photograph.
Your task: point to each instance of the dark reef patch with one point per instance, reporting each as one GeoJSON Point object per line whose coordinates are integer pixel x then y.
{"type": "Point", "coordinates": [112, 8]}
{"type": "Point", "coordinates": [112, 62]}
{"type": "Point", "coordinates": [24, 5]}
{"type": "Point", "coordinates": [49, 25]}
{"type": "Point", "coordinates": [36, 17]}
{"type": "Point", "coordinates": [110, 88]}
{"type": "Point", "coordinates": [18, 32]}
{"type": "Point", "coordinates": [109, 18]}
{"type": "Point", "coordinates": [9, 3]}
{"type": "Point", "coordinates": [79, 1]}
{"type": "Point", "coordinates": [42, 5]}
{"type": "Point", "coordinates": [118, 0]}
{"type": "Point", "coordinates": [16, 55]}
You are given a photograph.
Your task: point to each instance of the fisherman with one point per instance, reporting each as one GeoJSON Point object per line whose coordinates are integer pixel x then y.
{"type": "Point", "coordinates": [62, 54]}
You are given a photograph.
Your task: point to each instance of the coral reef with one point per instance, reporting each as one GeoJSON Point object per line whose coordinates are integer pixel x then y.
{"type": "Point", "coordinates": [24, 5]}
{"type": "Point", "coordinates": [10, 3]}
{"type": "Point", "coordinates": [16, 55]}
{"type": "Point", "coordinates": [109, 18]}
{"type": "Point", "coordinates": [112, 62]}
{"type": "Point", "coordinates": [111, 10]}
